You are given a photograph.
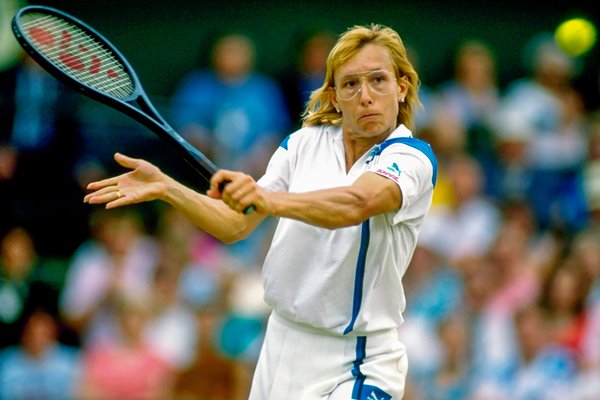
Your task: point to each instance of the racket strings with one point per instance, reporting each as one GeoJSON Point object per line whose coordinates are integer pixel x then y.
{"type": "Point", "coordinates": [77, 53]}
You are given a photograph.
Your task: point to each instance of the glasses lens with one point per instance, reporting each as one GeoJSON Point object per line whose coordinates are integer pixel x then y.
{"type": "Point", "coordinates": [379, 83]}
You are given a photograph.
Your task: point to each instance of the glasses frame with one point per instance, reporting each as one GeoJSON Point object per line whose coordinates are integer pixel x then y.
{"type": "Point", "coordinates": [363, 76]}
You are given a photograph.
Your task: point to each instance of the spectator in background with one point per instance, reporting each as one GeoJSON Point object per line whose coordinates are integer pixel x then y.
{"type": "Point", "coordinates": [564, 299]}
{"type": "Point", "coordinates": [41, 142]}
{"type": "Point", "coordinates": [551, 111]}
{"type": "Point", "coordinates": [119, 258]}
{"type": "Point", "coordinates": [587, 385]}
{"type": "Point", "coordinates": [307, 71]}
{"type": "Point", "coordinates": [510, 172]}
{"type": "Point", "coordinates": [231, 111]}
{"type": "Point", "coordinates": [447, 136]}
{"type": "Point", "coordinates": [39, 367]}
{"type": "Point", "coordinates": [171, 329]}
{"type": "Point", "coordinates": [472, 97]}
{"type": "Point", "coordinates": [23, 287]}
{"type": "Point", "coordinates": [467, 225]}
{"type": "Point", "coordinates": [245, 319]}
{"type": "Point", "coordinates": [198, 259]}
{"type": "Point", "coordinates": [125, 366]}
{"type": "Point", "coordinates": [211, 375]}
{"type": "Point", "coordinates": [452, 380]}
{"type": "Point", "coordinates": [492, 346]}
{"type": "Point", "coordinates": [236, 115]}
{"type": "Point", "coordinates": [195, 274]}
{"type": "Point", "coordinates": [585, 252]}
{"type": "Point", "coordinates": [591, 171]}
{"type": "Point", "coordinates": [546, 369]}
{"type": "Point", "coordinates": [434, 290]}
{"type": "Point", "coordinates": [518, 270]}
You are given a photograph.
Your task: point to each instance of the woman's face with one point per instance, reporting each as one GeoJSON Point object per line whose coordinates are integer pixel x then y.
{"type": "Point", "coordinates": [369, 115]}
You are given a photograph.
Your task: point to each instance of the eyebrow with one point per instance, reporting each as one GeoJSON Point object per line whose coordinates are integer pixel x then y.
{"type": "Point", "coordinates": [355, 74]}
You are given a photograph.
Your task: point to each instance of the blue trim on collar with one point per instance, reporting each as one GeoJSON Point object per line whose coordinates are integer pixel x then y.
{"type": "Point", "coordinates": [284, 142]}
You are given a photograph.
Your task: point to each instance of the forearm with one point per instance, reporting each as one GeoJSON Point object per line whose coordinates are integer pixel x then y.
{"type": "Point", "coordinates": [339, 207]}
{"type": "Point", "coordinates": [330, 208]}
{"type": "Point", "coordinates": [145, 182]}
{"type": "Point", "coordinates": [209, 215]}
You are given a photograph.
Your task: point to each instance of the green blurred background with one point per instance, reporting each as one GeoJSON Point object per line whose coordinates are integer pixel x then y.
{"type": "Point", "coordinates": [165, 39]}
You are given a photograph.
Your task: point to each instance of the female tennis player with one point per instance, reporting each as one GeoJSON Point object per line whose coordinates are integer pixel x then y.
{"type": "Point", "coordinates": [351, 188]}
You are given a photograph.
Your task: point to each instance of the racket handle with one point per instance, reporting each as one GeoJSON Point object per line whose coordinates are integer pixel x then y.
{"type": "Point", "coordinates": [248, 210]}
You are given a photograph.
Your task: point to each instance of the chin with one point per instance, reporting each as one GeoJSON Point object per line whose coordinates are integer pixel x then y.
{"type": "Point", "coordinates": [375, 129]}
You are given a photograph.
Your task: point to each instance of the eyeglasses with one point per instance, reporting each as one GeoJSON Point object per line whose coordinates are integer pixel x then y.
{"type": "Point", "coordinates": [380, 82]}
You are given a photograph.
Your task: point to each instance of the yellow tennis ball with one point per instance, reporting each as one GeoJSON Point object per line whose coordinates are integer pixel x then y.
{"type": "Point", "coordinates": [575, 36]}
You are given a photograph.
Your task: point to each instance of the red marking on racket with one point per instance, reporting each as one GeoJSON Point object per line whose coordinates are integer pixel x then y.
{"type": "Point", "coordinates": [41, 36]}
{"type": "Point", "coordinates": [82, 48]}
{"type": "Point", "coordinates": [72, 61]}
{"type": "Point", "coordinates": [65, 40]}
{"type": "Point", "coordinates": [111, 73]}
{"type": "Point", "coordinates": [95, 65]}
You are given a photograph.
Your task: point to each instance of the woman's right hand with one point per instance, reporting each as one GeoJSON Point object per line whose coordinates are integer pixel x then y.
{"type": "Point", "coordinates": [145, 182]}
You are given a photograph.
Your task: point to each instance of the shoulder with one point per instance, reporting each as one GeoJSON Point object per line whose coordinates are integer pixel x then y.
{"type": "Point", "coordinates": [398, 146]}
{"type": "Point", "coordinates": [412, 143]}
{"type": "Point", "coordinates": [310, 134]}
{"type": "Point", "coordinates": [403, 140]}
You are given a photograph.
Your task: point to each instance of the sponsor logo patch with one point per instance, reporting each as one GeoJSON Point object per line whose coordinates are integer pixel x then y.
{"type": "Point", "coordinates": [392, 172]}
{"type": "Point", "coordinates": [394, 168]}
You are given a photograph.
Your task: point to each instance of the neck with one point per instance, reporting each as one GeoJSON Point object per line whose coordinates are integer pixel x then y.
{"type": "Point", "coordinates": [355, 148]}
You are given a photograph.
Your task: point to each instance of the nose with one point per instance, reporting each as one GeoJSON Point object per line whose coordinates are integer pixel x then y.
{"type": "Point", "coordinates": [363, 91]}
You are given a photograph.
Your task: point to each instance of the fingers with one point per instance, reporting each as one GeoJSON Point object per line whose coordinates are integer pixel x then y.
{"type": "Point", "coordinates": [217, 182]}
{"type": "Point", "coordinates": [103, 183]}
{"type": "Point", "coordinates": [124, 161]}
{"type": "Point", "coordinates": [107, 190]}
{"type": "Point", "coordinates": [236, 189]}
{"type": "Point", "coordinates": [109, 194]}
{"type": "Point", "coordinates": [127, 162]}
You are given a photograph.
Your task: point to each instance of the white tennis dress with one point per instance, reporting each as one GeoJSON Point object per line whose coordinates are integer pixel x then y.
{"type": "Point", "coordinates": [337, 295]}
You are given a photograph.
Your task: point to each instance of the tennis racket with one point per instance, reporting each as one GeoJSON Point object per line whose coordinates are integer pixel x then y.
{"type": "Point", "coordinates": [83, 59]}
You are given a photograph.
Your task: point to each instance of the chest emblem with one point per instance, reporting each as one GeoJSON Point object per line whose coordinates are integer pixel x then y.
{"type": "Point", "coordinates": [394, 169]}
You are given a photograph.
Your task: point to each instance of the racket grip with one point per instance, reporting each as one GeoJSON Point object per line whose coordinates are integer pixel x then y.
{"type": "Point", "coordinates": [248, 210]}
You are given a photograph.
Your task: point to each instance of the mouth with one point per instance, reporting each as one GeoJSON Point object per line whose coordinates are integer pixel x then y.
{"type": "Point", "coordinates": [367, 117]}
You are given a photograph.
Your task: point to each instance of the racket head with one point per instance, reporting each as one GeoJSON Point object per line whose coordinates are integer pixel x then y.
{"type": "Point", "coordinates": [79, 56]}
{"type": "Point", "coordinates": [75, 53]}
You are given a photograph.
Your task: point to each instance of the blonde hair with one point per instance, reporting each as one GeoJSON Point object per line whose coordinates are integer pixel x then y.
{"type": "Point", "coordinates": [321, 111]}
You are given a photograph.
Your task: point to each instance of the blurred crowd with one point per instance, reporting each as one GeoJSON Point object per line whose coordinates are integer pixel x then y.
{"type": "Point", "coordinates": [503, 292]}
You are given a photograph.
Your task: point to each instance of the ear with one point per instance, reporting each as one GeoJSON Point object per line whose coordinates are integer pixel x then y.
{"type": "Point", "coordinates": [333, 100]}
{"type": "Point", "coordinates": [402, 88]}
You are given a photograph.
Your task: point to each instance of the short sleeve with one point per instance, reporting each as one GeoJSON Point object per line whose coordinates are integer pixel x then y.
{"type": "Point", "coordinates": [277, 175]}
{"type": "Point", "coordinates": [414, 171]}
